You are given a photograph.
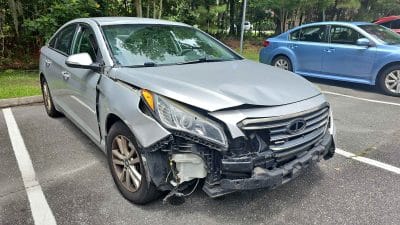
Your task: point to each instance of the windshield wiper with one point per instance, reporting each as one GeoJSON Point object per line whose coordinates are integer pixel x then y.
{"type": "Point", "coordinates": [146, 64]}
{"type": "Point", "coordinates": [201, 60]}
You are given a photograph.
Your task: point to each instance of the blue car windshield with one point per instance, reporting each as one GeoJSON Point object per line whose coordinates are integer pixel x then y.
{"type": "Point", "coordinates": [382, 33]}
{"type": "Point", "coordinates": [136, 45]}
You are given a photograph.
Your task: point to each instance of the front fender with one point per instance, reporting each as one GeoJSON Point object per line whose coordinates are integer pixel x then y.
{"type": "Point", "coordinates": [123, 101]}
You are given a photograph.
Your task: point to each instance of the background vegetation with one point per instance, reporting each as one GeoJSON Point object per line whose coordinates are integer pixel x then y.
{"type": "Point", "coordinates": [25, 25]}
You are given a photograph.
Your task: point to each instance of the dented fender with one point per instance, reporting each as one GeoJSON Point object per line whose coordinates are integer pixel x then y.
{"type": "Point", "coordinates": [121, 100]}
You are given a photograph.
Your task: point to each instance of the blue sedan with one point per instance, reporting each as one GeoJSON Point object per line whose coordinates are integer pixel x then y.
{"type": "Point", "coordinates": [357, 52]}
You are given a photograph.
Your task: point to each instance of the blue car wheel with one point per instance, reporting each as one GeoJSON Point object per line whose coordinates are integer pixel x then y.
{"type": "Point", "coordinates": [389, 80]}
{"type": "Point", "coordinates": [283, 62]}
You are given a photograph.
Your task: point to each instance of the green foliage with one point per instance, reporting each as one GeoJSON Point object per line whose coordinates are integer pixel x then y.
{"type": "Point", "coordinates": [58, 13]}
{"type": "Point", "coordinates": [26, 24]}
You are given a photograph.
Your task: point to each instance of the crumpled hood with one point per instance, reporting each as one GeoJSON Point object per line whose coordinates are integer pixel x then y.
{"type": "Point", "coordinates": [218, 85]}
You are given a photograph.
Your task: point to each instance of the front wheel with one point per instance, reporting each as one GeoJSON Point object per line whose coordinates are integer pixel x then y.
{"type": "Point", "coordinates": [389, 81]}
{"type": "Point", "coordinates": [283, 62]}
{"type": "Point", "coordinates": [126, 165]}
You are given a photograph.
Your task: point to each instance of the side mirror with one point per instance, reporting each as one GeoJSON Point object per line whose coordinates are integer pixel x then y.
{"type": "Point", "coordinates": [82, 61]}
{"type": "Point", "coordinates": [364, 42]}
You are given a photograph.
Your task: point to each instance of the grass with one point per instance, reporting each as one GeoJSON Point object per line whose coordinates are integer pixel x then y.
{"type": "Point", "coordinates": [19, 83]}
{"type": "Point", "coordinates": [250, 53]}
{"type": "Point", "coordinates": [250, 48]}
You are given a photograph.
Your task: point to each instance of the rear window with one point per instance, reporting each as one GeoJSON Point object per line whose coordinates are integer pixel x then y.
{"type": "Point", "coordinates": [309, 34]}
{"type": "Point", "coordinates": [63, 40]}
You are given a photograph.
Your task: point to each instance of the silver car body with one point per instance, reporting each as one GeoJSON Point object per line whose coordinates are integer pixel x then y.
{"type": "Point", "coordinates": [228, 92]}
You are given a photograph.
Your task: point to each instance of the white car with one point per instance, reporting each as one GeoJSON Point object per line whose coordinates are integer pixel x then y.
{"type": "Point", "coordinates": [248, 26]}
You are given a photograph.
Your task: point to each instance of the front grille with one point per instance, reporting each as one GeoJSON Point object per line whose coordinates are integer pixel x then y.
{"type": "Point", "coordinates": [284, 143]}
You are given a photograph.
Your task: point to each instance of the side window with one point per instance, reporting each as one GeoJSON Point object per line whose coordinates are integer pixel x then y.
{"type": "Point", "coordinates": [64, 39]}
{"type": "Point", "coordinates": [294, 36]}
{"type": "Point", "coordinates": [395, 24]}
{"type": "Point", "coordinates": [86, 42]}
{"type": "Point", "coordinates": [387, 24]}
{"type": "Point", "coordinates": [313, 34]}
{"type": "Point", "coordinates": [344, 35]}
{"type": "Point", "coordinates": [52, 42]}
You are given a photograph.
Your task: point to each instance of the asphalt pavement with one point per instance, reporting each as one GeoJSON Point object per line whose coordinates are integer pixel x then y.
{"type": "Point", "coordinates": [75, 179]}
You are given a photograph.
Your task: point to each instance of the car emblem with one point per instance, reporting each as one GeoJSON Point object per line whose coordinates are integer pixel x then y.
{"type": "Point", "coordinates": [296, 126]}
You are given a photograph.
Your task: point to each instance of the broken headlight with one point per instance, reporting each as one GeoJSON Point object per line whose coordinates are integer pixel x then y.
{"type": "Point", "coordinates": [178, 117]}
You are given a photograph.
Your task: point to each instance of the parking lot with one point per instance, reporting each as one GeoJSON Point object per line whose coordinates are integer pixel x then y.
{"type": "Point", "coordinates": [74, 177]}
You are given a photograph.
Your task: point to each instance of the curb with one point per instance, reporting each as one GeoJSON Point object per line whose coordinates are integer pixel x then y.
{"type": "Point", "coordinates": [10, 102]}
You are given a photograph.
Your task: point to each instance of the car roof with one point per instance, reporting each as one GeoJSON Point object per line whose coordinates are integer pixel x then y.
{"type": "Point", "coordinates": [103, 21]}
{"type": "Point", "coordinates": [356, 23]}
{"type": "Point", "coordinates": [386, 19]}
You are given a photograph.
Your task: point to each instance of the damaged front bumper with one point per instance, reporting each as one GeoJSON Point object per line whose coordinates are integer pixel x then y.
{"type": "Point", "coordinates": [261, 176]}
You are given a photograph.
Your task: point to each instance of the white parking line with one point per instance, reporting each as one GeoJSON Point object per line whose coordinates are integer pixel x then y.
{"type": "Point", "coordinates": [40, 209]}
{"type": "Point", "coordinates": [368, 161]}
{"type": "Point", "coordinates": [362, 99]}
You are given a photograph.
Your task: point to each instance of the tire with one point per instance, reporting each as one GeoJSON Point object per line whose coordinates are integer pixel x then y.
{"type": "Point", "coordinates": [283, 62]}
{"type": "Point", "coordinates": [389, 81]}
{"type": "Point", "coordinates": [134, 188]}
{"type": "Point", "coordinates": [48, 100]}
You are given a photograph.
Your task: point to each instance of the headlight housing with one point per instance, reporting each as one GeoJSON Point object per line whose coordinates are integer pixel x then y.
{"type": "Point", "coordinates": [180, 118]}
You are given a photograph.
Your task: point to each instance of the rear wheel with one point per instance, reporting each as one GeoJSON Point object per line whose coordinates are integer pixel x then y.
{"type": "Point", "coordinates": [48, 100]}
{"type": "Point", "coordinates": [389, 80]}
{"type": "Point", "coordinates": [283, 62]}
{"type": "Point", "coordinates": [126, 165]}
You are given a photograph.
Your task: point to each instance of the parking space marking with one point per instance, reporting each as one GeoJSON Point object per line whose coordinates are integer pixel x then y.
{"type": "Point", "coordinates": [40, 209]}
{"type": "Point", "coordinates": [362, 99]}
{"type": "Point", "coordinates": [368, 161]}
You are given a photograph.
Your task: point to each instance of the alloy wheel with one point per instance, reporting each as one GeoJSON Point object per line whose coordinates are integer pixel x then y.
{"type": "Point", "coordinates": [282, 63]}
{"type": "Point", "coordinates": [126, 163]}
{"type": "Point", "coordinates": [392, 81]}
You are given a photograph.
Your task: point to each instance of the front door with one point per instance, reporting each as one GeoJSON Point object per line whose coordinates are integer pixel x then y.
{"type": "Point", "coordinates": [82, 83]}
{"type": "Point", "coordinates": [345, 58]}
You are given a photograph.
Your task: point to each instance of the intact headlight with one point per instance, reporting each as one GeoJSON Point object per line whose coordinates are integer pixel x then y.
{"type": "Point", "coordinates": [178, 117]}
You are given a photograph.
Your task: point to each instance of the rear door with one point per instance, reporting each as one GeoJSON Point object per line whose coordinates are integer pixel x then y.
{"type": "Point", "coordinates": [308, 44]}
{"type": "Point", "coordinates": [344, 57]}
{"type": "Point", "coordinates": [60, 49]}
{"type": "Point", "coordinates": [82, 82]}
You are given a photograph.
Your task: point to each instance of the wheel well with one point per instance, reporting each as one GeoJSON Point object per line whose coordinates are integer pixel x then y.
{"type": "Point", "coordinates": [111, 119]}
{"type": "Point", "coordinates": [281, 55]}
{"type": "Point", "coordinates": [385, 67]}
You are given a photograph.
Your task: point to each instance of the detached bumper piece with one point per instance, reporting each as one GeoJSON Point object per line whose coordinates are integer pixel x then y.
{"type": "Point", "coordinates": [262, 177]}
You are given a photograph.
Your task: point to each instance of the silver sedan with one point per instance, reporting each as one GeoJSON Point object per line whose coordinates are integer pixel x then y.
{"type": "Point", "coordinates": [172, 106]}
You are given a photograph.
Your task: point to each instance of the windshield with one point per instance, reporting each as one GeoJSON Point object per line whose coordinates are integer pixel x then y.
{"type": "Point", "coordinates": [382, 33]}
{"type": "Point", "coordinates": [151, 45]}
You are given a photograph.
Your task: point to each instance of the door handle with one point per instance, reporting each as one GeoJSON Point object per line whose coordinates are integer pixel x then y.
{"type": "Point", "coordinates": [65, 75]}
{"type": "Point", "coordinates": [293, 46]}
{"type": "Point", "coordinates": [47, 62]}
{"type": "Point", "coordinates": [329, 50]}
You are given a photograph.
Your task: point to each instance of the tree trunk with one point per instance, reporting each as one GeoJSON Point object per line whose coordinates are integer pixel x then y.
{"type": "Point", "coordinates": [160, 9]}
{"type": "Point", "coordinates": [232, 17]}
{"type": "Point", "coordinates": [154, 9]}
{"type": "Point", "coordinates": [138, 6]}
{"type": "Point", "coordinates": [148, 9]}
{"type": "Point", "coordinates": [14, 14]}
